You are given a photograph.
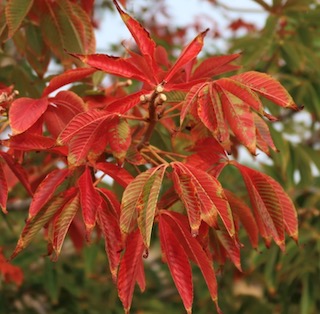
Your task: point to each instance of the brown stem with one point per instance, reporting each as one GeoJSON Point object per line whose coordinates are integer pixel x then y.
{"type": "Point", "coordinates": [153, 118]}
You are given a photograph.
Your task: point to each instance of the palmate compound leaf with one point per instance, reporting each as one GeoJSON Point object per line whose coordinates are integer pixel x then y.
{"type": "Point", "coordinates": [273, 209]}
{"type": "Point", "coordinates": [176, 258]}
{"type": "Point", "coordinates": [209, 194]}
{"type": "Point", "coordinates": [139, 202]}
{"type": "Point", "coordinates": [130, 268]}
{"type": "Point", "coordinates": [86, 133]}
{"type": "Point", "coordinates": [179, 225]}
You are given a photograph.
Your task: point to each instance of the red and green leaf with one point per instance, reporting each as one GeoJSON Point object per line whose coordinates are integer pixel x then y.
{"type": "Point", "coordinates": [108, 220]}
{"type": "Point", "coordinates": [62, 222]}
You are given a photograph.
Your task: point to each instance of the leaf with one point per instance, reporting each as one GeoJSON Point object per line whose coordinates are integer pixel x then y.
{"type": "Point", "coordinates": [188, 54]}
{"type": "Point", "coordinates": [61, 223]}
{"type": "Point", "coordinates": [85, 132]}
{"type": "Point", "coordinates": [10, 273]}
{"type": "Point", "coordinates": [210, 195]}
{"type": "Point", "coordinates": [187, 193]}
{"type": "Point", "coordinates": [18, 170]}
{"type": "Point", "coordinates": [139, 202]}
{"type": "Point", "coordinates": [129, 269]}
{"type": "Point", "coordinates": [112, 65]}
{"type": "Point", "coordinates": [179, 225]}
{"type": "Point", "coordinates": [62, 109]}
{"type": "Point", "coordinates": [178, 263]}
{"type": "Point", "coordinates": [147, 203]}
{"type": "Point", "coordinates": [67, 77]}
{"type": "Point", "coordinates": [243, 212]}
{"type": "Point", "coordinates": [29, 141]}
{"type": "Point", "coordinates": [214, 65]}
{"type": "Point", "coordinates": [89, 200]}
{"type": "Point", "coordinates": [36, 222]}
{"type": "Point", "coordinates": [240, 119]}
{"type": "Point", "coordinates": [120, 138]}
{"type": "Point", "coordinates": [266, 86]}
{"type": "Point", "coordinates": [121, 175]}
{"type": "Point", "coordinates": [46, 190]}
{"type": "Point", "coordinates": [142, 38]}
{"type": "Point", "coordinates": [125, 103]}
{"type": "Point", "coordinates": [15, 12]}
{"type": "Point", "coordinates": [3, 190]}
{"type": "Point", "coordinates": [24, 112]}
{"type": "Point", "coordinates": [274, 208]}
{"type": "Point", "coordinates": [109, 225]}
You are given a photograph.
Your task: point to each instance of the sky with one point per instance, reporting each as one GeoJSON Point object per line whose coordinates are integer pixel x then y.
{"type": "Point", "coordinates": [183, 12]}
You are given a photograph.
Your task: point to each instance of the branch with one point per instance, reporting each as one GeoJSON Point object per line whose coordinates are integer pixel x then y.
{"type": "Point", "coordinates": [154, 100]}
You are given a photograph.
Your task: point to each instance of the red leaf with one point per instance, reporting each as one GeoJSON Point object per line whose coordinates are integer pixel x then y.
{"type": "Point", "coordinates": [240, 119]}
{"type": "Point", "coordinates": [3, 190]}
{"type": "Point", "coordinates": [85, 132]}
{"type": "Point", "coordinates": [146, 45]}
{"type": "Point", "coordinates": [63, 108]}
{"type": "Point", "coordinates": [210, 195]}
{"type": "Point", "coordinates": [179, 225]}
{"type": "Point", "coordinates": [108, 221]}
{"type": "Point", "coordinates": [124, 104]}
{"type": "Point", "coordinates": [18, 170]}
{"type": "Point", "coordinates": [275, 209]}
{"type": "Point", "coordinates": [29, 141]}
{"type": "Point", "coordinates": [113, 65]}
{"type": "Point", "coordinates": [89, 199]}
{"type": "Point", "coordinates": [188, 54]}
{"type": "Point", "coordinates": [46, 190]}
{"type": "Point", "coordinates": [214, 65]}
{"type": "Point", "coordinates": [9, 272]}
{"type": "Point", "coordinates": [243, 212]}
{"type": "Point", "coordinates": [178, 263]}
{"type": "Point", "coordinates": [120, 175]}
{"type": "Point", "coordinates": [67, 77]}
{"type": "Point", "coordinates": [24, 112]}
{"type": "Point", "coordinates": [129, 269]}
{"type": "Point", "coordinates": [266, 86]}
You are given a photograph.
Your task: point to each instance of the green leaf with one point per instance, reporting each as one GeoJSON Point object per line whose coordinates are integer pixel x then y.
{"type": "Point", "coordinates": [16, 11]}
